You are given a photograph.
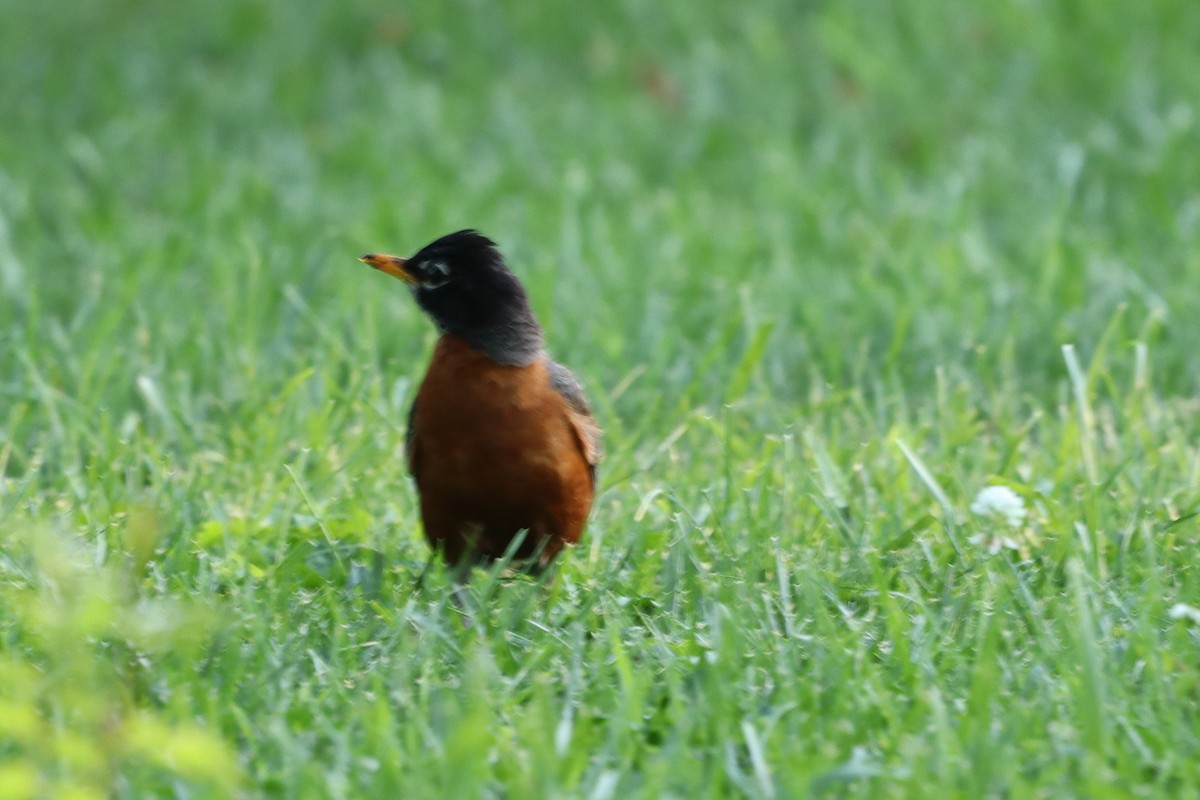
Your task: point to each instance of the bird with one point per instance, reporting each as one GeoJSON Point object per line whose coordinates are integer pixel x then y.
{"type": "Point", "coordinates": [500, 438]}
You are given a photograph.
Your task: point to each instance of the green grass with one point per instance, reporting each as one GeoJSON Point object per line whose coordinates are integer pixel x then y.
{"type": "Point", "coordinates": [816, 262]}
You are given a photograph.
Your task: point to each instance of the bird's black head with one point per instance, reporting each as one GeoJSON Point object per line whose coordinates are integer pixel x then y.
{"type": "Point", "coordinates": [463, 284]}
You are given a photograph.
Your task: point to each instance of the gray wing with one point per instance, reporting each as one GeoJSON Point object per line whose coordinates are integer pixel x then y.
{"type": "Point", "coordinates": [580, 416]}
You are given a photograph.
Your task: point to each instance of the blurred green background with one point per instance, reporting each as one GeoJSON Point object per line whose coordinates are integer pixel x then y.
{"type": "Point", "coordinates": [745, 225]}
{"type": "Point", "coordinates": [895, 185]}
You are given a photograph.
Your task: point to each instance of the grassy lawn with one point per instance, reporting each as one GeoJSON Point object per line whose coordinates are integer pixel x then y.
{"type": "Point", "coordinates": [828, 269]}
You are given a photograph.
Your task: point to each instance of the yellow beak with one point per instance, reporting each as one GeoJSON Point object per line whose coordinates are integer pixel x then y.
{"type": "Point", "coordinates": [392, 265]}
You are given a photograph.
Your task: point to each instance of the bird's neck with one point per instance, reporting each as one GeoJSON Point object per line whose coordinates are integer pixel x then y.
{"type": "Point", "coordinates": [514, 340]}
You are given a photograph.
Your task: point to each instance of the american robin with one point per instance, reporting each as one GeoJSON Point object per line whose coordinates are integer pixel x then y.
{"type": "Point", "coordinates": [500, 438]}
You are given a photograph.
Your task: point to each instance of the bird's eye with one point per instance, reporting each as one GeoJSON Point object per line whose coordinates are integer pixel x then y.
{"type": "Point", "coordinates": [437, 273]}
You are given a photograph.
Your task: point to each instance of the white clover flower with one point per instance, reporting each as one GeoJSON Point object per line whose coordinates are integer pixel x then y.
{"type": "Point", "coordinates": [1184, 611]}
{"type": "Point", "coordinates": [1000, 502]}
